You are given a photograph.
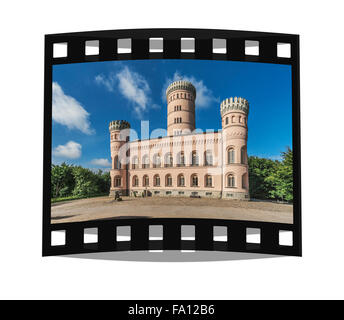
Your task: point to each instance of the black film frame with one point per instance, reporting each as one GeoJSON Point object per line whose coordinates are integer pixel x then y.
{"type": "Point", "coordinates": [235, 43]}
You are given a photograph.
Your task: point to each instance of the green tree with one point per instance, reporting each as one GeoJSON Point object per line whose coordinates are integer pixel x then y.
{"type": "Point", "coordinates": [104, 181]}
{"type": "Point", "coordinates": [259, 170]}
{"type": "Point", "coordinates": [85, 182]}
{"type": "Point", "coordinates": [68, 180]}
{"type": "Point", "coordinates": [62, 180]}
{"type": "Point", "coordinates": [282, 178]}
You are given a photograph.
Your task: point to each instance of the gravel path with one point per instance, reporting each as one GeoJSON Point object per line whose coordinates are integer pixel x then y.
{"type": "Point", "coordinates": [106, 208]}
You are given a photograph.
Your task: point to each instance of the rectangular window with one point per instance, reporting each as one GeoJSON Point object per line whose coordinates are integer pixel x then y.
{"type": "Point", "coordinates": [117, 182]}
{"type": "Point", "coordinates": [194, 181]}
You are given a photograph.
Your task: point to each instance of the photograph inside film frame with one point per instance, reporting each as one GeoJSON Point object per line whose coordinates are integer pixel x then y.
{"type": "Point", "coordinates": [172, 139]}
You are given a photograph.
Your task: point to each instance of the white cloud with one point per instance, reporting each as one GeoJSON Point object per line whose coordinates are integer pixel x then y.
{"type": "Point", "coordinates": [204, 95]}
{"type": "Point", "coordinates": [71, 150]}
{"type": "Point", "coordinates": [108, 82]}
{"type": "Point", "coordinates": [95, 170]}
{"type": "Point", "coordinates": [101, 162]}
{"type": "Point", "coordinates": [155, 106]}
{"type": "Point", "coordinates": [133, 86]}
{"type": "Point", "coordinates": [69, 112]}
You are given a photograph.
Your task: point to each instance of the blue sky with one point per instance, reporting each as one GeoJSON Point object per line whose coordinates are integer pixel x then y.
{"type": "Point", "coordinates": [87, 96]}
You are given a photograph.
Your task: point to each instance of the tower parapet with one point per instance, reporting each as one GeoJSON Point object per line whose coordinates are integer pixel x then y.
{"type": "Point", "coordinates": [232, 104]}
{"type": "Point", "coordinates": [181, 85]}
{"type": "Point", "coordinates": [119, 125]}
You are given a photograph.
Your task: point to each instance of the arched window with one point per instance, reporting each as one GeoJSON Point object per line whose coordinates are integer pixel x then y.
{"type": "Point", "coordinates": [180, 159]}
{"type": "Point", "coordinates": [156, 161]}
{"type": "Point", "coordinates": [145, 161]}
{"type": "Point", "coordinates": [135, 181]}
{"type": "Point", "coordinates": [168, 180]}
{"type": "Point", "coordinates": [117, 181]}
{"type": "Point", "coordinates": [194, 180]}
{"type": "Point", "coordinates": [226, 120]}
{"type": "Point", "coordinates": [208, 181]}
{"type": "Point", "coordinates": [230, 181]}
{"type": "Point", "coordinates": [244, 181]}
{"type": "Point", "coordinates": [145, 181]}
{"type": "Point", "coordinates": [208, 158]}
{"type": "Point", "coordinates": [156, 180]}
{"type": "Point", "coordinates": [116, 163]}
{"type": "Point", "coordinates": [239, 119]}
{"type": "Point", "coordinates": [181, 180]}
{"type": "Point", "coordinates": [243, 156]}
{"type": "Point", "coordinates": [135, 163]}
{"type": "Point", "coordinates": [194, 158]}
{"type": "Point", "coordinates": [168, 160]}
{"type": "Point", "coordinates": [231, 155]}
{"type": "Point", "coordinates": [233, 119]}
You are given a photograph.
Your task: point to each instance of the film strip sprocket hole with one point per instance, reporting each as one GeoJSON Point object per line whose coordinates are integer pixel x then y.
{"type": "Point", "coordinates": [159, 234]}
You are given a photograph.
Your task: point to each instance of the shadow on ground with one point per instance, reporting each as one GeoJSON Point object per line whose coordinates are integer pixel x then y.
{"type": "Point", "coordinates": [61, 217]}
{"type": "Point", "coordinates": [172, 256]}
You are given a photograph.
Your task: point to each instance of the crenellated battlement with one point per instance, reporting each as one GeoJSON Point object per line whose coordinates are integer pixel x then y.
{"type": "Point", "coordinates": [181, 85]}
{"type": "Point", "coordinates": [119, 125]}
{"type": "Point", "coordinates": [236, 103]}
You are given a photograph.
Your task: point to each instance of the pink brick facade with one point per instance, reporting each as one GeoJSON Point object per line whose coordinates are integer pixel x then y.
{"type": "Point", "coordinates": [184, 163]}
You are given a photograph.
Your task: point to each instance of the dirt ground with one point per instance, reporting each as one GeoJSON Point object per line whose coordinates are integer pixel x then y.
{"type": "Point", "coordinates": [107, 208]}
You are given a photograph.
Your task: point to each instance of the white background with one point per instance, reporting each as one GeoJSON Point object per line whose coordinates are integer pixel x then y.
{"type": "Point", "coordinates": [25, 274]}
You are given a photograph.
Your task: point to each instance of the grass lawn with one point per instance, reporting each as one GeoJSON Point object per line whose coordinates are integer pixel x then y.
{"type": "Point", "coordinates": [54, 200]}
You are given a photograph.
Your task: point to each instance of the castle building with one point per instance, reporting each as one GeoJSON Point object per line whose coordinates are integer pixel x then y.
{"type": "Point", "coordinates": [184, 163]}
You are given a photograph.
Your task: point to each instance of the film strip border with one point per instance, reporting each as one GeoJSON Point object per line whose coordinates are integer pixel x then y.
{"type": "Point", "coordinates": [172, 234]}
{"type": "Point", "coordinates": [172, 44]}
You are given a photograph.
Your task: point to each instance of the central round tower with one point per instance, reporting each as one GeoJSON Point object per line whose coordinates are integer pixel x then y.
{"type": "Point", "coordinates": [181, 96]}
